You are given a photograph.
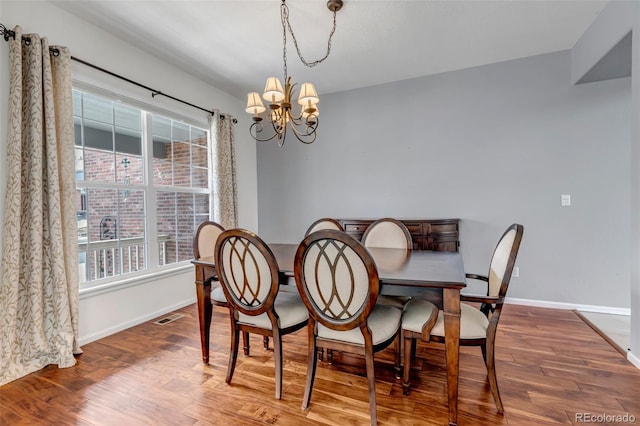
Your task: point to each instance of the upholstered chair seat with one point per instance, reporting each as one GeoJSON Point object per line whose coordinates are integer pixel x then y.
{"type": "Point", "coordinates": [473, 323]}
{"type": "Point", "coordinates": [384, 322]}
{"type": "Point", "coordinates": [218, 297]}
{"type": "Point", "coordinates": [418, 316]}
{"type": "Point", "coordinates": [288, 306]}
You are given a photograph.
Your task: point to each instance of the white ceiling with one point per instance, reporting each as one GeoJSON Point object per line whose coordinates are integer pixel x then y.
{"type": "Point", "coordinates": [236, 44]}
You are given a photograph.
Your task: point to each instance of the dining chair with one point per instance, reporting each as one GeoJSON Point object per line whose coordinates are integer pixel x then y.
{"type": "Point", "coordinates": [338, 281]}
{"type": "Point", "coordinates": [324, 223]}
{"type": "Point", "coordinates": [388, 233]}
{"type": "Point", "coordinates": [248, 271]}
{"type": "Point", "coordinates": [204, 244]}
{"type": "Point", "coordinates": [477, 326]}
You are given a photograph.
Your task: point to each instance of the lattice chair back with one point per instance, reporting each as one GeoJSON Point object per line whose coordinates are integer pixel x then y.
{"type": "Point", "coordinates": [204, 241]}
{"type": "Point", "coordinates": [337, 279]}
{"type": "Point", "coordinates": [387, 232]}
{"type": "Point", "coordinates": [248, 271]}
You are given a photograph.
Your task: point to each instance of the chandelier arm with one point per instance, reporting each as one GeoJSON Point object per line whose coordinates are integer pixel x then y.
{"type": "Point", "coordinates": [285, 19]}
{"type": "Point", "coordinates": [254, 134]}
{"type": "Point", "coordinates": [301, 137]}
{"type": "Point", "coordinates": [309, 132]}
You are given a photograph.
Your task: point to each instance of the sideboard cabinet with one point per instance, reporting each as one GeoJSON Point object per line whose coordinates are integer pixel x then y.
{"type": "Point", "coordinates": [427, 234]}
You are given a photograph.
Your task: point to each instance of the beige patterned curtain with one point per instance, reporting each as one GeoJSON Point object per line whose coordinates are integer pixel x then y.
{"type": "Point", "coordinates": [225, 197]}
{"type": "Point", "coordinates": [39, 274]}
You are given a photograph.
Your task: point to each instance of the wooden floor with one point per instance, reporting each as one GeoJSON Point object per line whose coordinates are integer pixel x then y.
{"type": "Point", "coordinates": [550, 364]}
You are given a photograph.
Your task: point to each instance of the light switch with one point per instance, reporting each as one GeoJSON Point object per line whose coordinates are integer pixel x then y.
{"type": "Point", "coordinates": [565, 200]}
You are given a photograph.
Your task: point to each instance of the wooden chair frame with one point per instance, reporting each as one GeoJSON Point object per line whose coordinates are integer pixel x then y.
{"type": "Point", "coordinates": [323, 220]}
{"type": "Point", "coordinates": [246, 305]}
{"type": "Point", "coordinates": [318, 315]}
{"type": "Point", "coordinates": [491, 307]}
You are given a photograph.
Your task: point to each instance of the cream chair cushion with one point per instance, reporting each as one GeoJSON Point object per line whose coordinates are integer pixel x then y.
{"type": "Point", "coordinates": [207, 240]}
{"type": "Point", "coordinates": [473, 323]}
{"type": "Point", "coordinates": [416, 313]}
{"type": "Point", "coordinates": [386, 234]}
{"type": "Point", "coordinates": [325, 224]}
{"type": "Point", "coordinates": [499, 262]}
{"type": "Point", "coordinates": [289, 307]}
{"type": "Point", "coordinates": [218, 295]}
{"type": "Point", "coordinates": [384, 322]}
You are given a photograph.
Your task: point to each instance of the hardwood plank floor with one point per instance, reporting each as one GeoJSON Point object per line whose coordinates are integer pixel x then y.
{"type": "Point", "coordinates": [551, 365]}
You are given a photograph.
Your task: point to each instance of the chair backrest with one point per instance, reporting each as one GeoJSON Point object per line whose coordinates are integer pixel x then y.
{"type": "Point", "coordinates": [337, 279]}
{"type": "Point", "coordinates": [503, 260]}
{"type": "Point", "coordinates": [204, 240]}
{"type": "Point", "coordinates": [389, 233]}
{"type": "Point", "coordinates": [324, 223]}
{"type": "Point", "coordinates": [248, 271]}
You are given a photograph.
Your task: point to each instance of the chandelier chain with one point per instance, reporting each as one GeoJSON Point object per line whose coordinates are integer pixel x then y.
{"type": "Point", "coordinates": [285, 20]}
{"type": "Point", "coordinates": [280, 115]}
{"type": "Point", "coordinates": [284, 13]}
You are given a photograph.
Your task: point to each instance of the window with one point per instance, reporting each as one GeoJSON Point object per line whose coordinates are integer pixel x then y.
{"type": "Point", "coordinates": [142, 184]}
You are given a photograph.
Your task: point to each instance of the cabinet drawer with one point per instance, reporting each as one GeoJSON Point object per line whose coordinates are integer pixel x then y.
{"type": "Point", "coordinates": [414, 228]}
{"type": "Point", "coordinates": [444, 227]}
{"type": "Point", "coordinates": [355, 228]}
{"type": "Point", "coordinates": [443, 236]}
{"type": "Point", "coordinates": [418, 243]}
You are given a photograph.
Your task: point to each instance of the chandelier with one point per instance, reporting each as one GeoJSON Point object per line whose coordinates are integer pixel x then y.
{"type": "Point", "coordinates": [279, 112]}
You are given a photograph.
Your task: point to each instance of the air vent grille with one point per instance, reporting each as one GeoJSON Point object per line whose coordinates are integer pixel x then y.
{"type": "Point", "coordinates": [167, 320]}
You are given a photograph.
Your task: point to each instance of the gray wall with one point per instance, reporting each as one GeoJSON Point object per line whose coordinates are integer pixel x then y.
{"type": "Point", "coordinates": [491, 145]}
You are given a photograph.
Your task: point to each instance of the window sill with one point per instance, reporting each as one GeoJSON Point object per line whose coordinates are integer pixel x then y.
{"type": "Point", "coordinates": [132, 281]}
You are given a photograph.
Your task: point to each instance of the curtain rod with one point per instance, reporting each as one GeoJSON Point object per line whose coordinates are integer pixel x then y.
{"type": "Point", "coordinates": [7, 33]}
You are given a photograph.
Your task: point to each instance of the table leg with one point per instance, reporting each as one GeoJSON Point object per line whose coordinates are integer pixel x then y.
{"type": "Point", "coordinates": [451, 304]}
{"type": "Point", "coordinates": [203, 294]}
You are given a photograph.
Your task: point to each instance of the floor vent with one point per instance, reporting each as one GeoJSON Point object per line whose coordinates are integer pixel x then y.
{"type": "Point", "coordinates": [167, 320]}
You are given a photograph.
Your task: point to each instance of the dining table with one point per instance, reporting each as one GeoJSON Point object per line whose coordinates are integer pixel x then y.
{"type": "Point", "coordinates": [437, 276]}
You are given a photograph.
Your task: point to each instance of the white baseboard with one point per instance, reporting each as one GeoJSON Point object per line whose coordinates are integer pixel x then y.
{"type": "Point", "coordinates": [633, 359]}
{"type": "Point", "coordinates": [128, 324]}
{"type": "Point", "coordinates": [570, 306]}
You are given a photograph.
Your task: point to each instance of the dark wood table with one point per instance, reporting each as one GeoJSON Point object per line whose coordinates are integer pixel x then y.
{"type": "Point", "coordinates": [433, 275]}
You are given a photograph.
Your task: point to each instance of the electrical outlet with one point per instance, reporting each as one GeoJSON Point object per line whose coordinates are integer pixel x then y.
{"type": "Point", "coordinates": [516, 272]}
{"type": "Point", "coordinates": [565, 200]}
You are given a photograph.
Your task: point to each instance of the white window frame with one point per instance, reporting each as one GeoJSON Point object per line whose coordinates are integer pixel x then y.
{"type": "Point", "coordinates": [153, 268]}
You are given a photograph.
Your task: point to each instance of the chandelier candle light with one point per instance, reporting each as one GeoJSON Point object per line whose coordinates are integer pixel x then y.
{"type": "Point", "coordinates": [280, 113]}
